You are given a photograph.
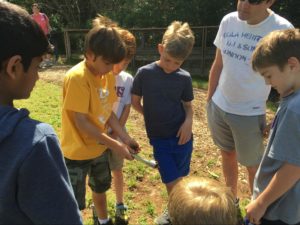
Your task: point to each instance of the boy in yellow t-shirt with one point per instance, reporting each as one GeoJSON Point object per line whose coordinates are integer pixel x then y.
{"type": "Point", "coordinates": [88, 97]}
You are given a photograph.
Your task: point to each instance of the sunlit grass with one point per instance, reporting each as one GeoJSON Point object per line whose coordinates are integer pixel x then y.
{"type": "Point", "coordinates": [44, 104]}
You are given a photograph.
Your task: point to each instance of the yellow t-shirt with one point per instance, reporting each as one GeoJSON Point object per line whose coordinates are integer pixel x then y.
{"type": "Point", "coordinates": [93, 95]}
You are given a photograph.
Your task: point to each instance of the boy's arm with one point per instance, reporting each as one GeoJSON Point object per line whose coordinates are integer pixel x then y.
{"type": "Point", "coordinates": [284, 179]}
{"type": "Point", "coordinates": [125, 114]}
{"type": "Point", "coordinates": [136, 102]}
{"type": "Point", "coordinates": [84, 125]}
{"type": "Point", "coordinates": [214, 74]}
{"type": "Point", "coordinates": [114, 124]}
{"type": "Point", "coordinates": [122, 120]}
{"type": "Point", "coordinates": [185, 131]}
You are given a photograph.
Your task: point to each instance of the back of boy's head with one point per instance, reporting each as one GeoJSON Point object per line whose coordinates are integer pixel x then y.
{"type": "Point", "coordinates": [130, 42]}
{"type": "Point", "coordinates": [20, 35]}
{"type": "Point", "coordinates": [178, 40]}
{"type": "Point", "coordinates": [104, 40]}
{"type": "Point", "coordinates": [199, 201]}
{"type": "Point", "coordinates": [276, 48]}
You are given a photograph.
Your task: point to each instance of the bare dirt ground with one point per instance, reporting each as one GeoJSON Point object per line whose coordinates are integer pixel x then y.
{"type": "Point", "coordinates": [147, 198]}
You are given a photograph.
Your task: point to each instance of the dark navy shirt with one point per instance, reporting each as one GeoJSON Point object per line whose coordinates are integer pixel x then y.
{"type": "Point", "coordinates": [162, 95]}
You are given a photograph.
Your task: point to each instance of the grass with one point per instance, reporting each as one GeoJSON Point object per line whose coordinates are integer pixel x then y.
{"type": "Point", "coordinates": [44, 104]}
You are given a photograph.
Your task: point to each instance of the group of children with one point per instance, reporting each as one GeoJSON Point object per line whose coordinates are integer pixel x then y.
{"type": "Point", "coordinates": [43, 182]}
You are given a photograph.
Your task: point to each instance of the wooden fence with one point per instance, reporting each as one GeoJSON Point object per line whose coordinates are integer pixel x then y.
{"type": "Point", "coordinates": [197, 63]}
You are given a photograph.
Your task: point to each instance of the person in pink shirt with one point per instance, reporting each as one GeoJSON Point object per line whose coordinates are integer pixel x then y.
{"type": "Point", "coordinates": [43, 21]}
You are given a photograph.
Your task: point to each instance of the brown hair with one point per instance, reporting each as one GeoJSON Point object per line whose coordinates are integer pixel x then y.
{"type": "Point", "coordinates": [130, 42]}
{"type": "Point", "coordinates": [276, 48]}
{"type": "Point", "coordinates": [104, 40]}
{"type": "Point", "coordinates": [178, 40]}
{"type": "Point", "coordinates": [127, 37]}
{"type": "Point", "coordinates": [199, 201]}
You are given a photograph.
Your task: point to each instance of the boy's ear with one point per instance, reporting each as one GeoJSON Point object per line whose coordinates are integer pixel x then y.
{"type": "Point", "coordinates": [13, 65]}
{"type": "Point", "coordinates": [160, 48]}
{"type": "Point", "coordinates": [270, 3]}
{"type": "Point", "coordinates": [294, 63]}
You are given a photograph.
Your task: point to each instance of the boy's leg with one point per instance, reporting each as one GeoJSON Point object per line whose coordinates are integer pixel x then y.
{"type": "Point", "coordinates": [230, 170]}
{"type": "Point", "coordinates": [118, 181]}
{"type": "Point", "coordinates": [99, 182]}
{"type": "Point", "coordinates": [116, 164]}
{"type": "Point", "coordinates": [100, 203]}
{"type": "Point", "coordinates": [241, 133]}
{"type": "Point", "coordinates": [251, 174]}
{"type": "Point", "coordinates": [170, 185]}
{"type": "Point", "coordinates": [174, 163]}
{"type": "Point", "coordinates": [248, 135]}
{"type": "Point", "coordinates": [78, 170]}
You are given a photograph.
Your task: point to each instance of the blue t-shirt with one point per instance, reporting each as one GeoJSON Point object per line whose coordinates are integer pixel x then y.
{"type": "Point", "coordinates": [162, 95]}
{"type": "Point", "coordinates": [283, 147]}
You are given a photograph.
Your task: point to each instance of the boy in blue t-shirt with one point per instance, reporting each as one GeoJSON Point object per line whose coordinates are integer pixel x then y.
{"type": "Point", "coordinates": [276, 190]}
{"type": "Point", "coordinates": [163, 93]}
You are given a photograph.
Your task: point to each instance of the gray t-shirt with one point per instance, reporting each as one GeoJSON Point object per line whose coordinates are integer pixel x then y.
{"type": "Point", "coordinates": [162, 95]}
{"type": "Point", "coordinates": [283, 147]}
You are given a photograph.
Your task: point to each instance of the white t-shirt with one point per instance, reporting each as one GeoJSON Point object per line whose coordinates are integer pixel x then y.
{"type": "Point", "coordinates": [240, 90]}
{"type": "Point", "coordinates": [123, 88]}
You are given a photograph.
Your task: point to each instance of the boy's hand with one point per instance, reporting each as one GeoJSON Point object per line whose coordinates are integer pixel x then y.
{"type": "Point", "coordinates": [134, 147]}
{"type": "Point", "coordinates": [123, 150]}
{"type": "Point", "coordinates": [255, 211]}
{"type": "Point", "coordinates": [185, 132]}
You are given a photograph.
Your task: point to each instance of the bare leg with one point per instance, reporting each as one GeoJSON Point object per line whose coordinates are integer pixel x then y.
{"type": "Point", "coordinates": [230, 170]}
{"type": "Point", "coordinates": [118, 184]}
{"type": "Point", "coordinates": [251, 174]}
{"type": "Point", "coordinates": [99, 200]}
{"type": "Point", "coordinates": [170, 185]}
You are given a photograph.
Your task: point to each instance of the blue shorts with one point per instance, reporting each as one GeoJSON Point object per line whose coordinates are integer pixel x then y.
{"type": "Point", "coordinates": [173, 159]}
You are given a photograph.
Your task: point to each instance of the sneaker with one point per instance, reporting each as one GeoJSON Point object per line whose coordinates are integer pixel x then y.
{"type": "Point", "coordinates": [95, 218]}
{"type": "Point", "coordinates": [121, 217]}
{"type": "Point", "coordinates": [163, 219]}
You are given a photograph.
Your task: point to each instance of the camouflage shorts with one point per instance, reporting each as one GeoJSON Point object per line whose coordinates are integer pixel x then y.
{"type": "Point", "coordinates": [99, 176]}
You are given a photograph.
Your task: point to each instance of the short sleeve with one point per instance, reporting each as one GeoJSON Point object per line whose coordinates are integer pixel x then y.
{"type": "Point", "coordinates": [137, 84]}
{"type": "Point", "coordinates": [76, 95]}
{"type": "Point", "coordinates": [188, 94]}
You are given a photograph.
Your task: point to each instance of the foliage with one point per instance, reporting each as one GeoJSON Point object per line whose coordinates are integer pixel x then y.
{"type": "Point", "coordinates": [147, 13]}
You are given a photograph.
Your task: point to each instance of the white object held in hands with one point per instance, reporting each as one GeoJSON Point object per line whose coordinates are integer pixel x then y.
{"type": "Point", "coordinates": [150, 163]}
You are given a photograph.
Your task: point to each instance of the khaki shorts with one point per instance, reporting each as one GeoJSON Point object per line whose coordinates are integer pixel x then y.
{"type": "Point", "coordinates": [99, 176]}
{"type": "Point", "coordinates": [234, 132]}
{"type": "Point", "coordinates": [116, 162]}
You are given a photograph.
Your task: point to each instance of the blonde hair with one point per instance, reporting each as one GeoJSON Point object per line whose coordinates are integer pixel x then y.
{"type": "Point", "coordinates": [199, 201]}
{"type": "Point", "coordinates": [276, 48]}
{"type": "Point", "coordinates": [178, 40]}
{"type": "Point", "coordinates": [127, 37]}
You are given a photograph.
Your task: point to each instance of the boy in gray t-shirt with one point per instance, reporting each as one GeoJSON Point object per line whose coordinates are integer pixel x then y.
{"type": "Point", "coordinates": [276, 191]}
